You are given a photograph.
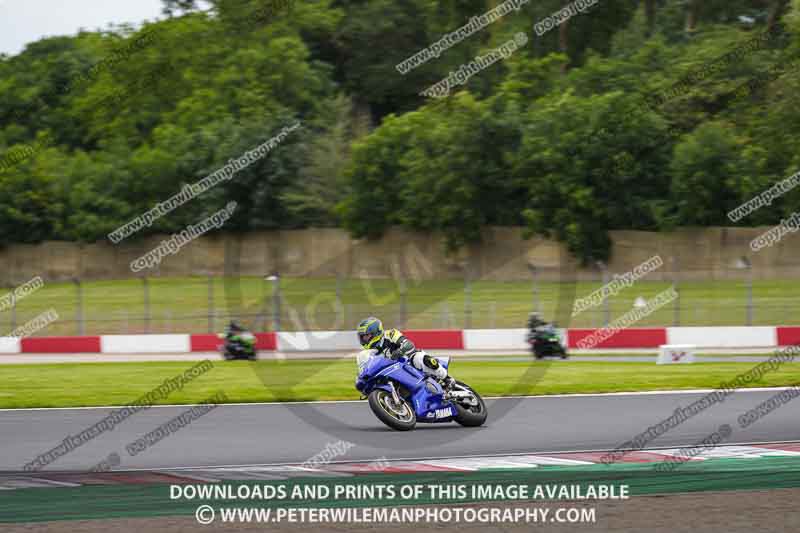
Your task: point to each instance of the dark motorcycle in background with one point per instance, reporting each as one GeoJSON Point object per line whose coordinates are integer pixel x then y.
{"type": "Point", "coordinates": [239, 343]}
{"type": "Point", "coordinates": [546, 342]}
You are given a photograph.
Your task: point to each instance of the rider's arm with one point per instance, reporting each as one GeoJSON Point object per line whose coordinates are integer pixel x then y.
{"type": "Point", "coordinates": [399, 345]}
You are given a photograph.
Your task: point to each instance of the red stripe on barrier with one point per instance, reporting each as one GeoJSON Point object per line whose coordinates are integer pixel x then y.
{"type": "Point", "coordinates": [625, 338]}
{"type": "Point", "coordinates": [436, 339]}
{"type": "Point", "coordinates": [204, 343]}
{"type": "Point", "coordinates": [787, 335]}
{"type": "Point", "coordinates": [89, 344]}
{"type": "Point", "coordinates": [267, 341]}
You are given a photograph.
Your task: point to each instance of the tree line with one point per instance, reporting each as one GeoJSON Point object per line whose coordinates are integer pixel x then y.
{"type": "Point", "coordinates": [568, 136]}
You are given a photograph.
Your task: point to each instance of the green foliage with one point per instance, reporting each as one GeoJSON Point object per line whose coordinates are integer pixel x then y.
{"type": "Point", "coordinates": [556, 137]}
{"type": "Point", "coordinates": [314, 197]}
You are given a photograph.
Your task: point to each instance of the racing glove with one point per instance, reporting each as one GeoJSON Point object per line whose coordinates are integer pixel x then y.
{"type": "Point", "coordinates": [405, 349]}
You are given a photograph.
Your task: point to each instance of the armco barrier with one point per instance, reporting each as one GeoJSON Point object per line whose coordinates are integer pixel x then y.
{"type": "Point", "coordinates": [209, 342]}
{"type": "Point", "coordinates": [321, 341]}
{"type": "Point", "coordinates": [267, 341]}
{"type": "Point", "coordinates": [727, 337]}
{"type": "Point", "coordinates": [317, 341]}
{"type": "Point", "coordinates": [482, 339]}
{"type": "Point", "coordinates": [624, 338]}
{"type": "Point", "coordinates": [10, 345]}
{"type": "Point", "coordinates": [787, 335]}
{"type": "Point", "coordinates": [488, 339]}
{"type": "Point", "coordinates": [204, 342]}
{"type": "Point", "coordinates": [145, 343]}
{"type": "Point", "coordinates": [436, 339]}
{"type": "Point", "coordinates": [90, 344]}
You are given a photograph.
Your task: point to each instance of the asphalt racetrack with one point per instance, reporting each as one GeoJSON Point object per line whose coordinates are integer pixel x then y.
{"type": "Point", "coordinates": [259, 434]}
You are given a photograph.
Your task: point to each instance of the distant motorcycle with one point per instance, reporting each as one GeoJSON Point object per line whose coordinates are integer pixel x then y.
{"type": "Point", "coordinates": [400, 395]}
{"type": "Point", "coordinates": [238, 346]}
{"type": "Point", "coordinates": [546, 342]}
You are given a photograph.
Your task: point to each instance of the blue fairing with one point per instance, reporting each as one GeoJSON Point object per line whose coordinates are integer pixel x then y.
{"type": "Point", "coordinates": [424, 394]}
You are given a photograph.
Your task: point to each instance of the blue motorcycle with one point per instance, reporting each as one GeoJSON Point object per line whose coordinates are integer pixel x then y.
{"type": "Point", "coordinates": [400, 395]}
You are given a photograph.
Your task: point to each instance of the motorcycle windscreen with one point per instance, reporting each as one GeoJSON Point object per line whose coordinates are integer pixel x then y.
{"type": "Point", "coordinates": [363, 357]}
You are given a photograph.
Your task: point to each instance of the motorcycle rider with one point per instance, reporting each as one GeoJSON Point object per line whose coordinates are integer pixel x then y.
{"type": "Point", "coordinates": [539, 331]}
{"type": "Point", "coordinates": [535, 321]}
{"type": "Point", "coordinates": [238, 340]}
{"type": "Point", "coordinates": [535, 326]}
{"type": "Point", "coordinates": [393, 344]}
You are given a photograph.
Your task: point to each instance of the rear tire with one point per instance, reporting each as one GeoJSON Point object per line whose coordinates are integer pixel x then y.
{"type": "Point", "coordinates": [380, 401]}
{"type": "Point", "coordinates": [474, 416]}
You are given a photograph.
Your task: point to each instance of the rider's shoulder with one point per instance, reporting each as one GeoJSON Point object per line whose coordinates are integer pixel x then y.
{"type": "Point", "coordinates": [393, 334]}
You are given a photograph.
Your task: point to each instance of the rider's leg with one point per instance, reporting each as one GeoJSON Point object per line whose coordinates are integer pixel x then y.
{"type": "Point", "coordinates": [429, 365]}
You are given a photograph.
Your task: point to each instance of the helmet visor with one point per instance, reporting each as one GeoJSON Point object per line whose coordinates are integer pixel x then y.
{"type": "Point", "coordinates": [364, 338]}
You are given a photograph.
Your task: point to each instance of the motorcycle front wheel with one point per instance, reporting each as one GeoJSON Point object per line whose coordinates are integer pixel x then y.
{"type": "Point", "coordinates": [400, 417]}
{"type": "Point", "coordinates": [470, 415]}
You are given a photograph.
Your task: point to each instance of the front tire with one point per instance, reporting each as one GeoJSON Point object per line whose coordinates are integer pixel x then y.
{"type": "Point", "coordinates": [400, 418]}
{"type": "Point", "coordinates": [470, 416]}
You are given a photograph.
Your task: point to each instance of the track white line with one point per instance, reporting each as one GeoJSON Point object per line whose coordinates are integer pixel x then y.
{"type": "Point", "coordinates": [313, 402]}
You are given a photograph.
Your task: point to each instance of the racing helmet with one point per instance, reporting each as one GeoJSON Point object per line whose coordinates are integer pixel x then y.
{"type": "Point", "coordinates": [535, 320]}
{"type": "Point", "coordinates": [370, 332]}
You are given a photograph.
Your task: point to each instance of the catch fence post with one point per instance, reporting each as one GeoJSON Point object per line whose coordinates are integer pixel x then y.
{"type": "Point", "coordinates": [676, 315]}
{"type": "Point", "coordinates": [750, 296]}
{"type": "Point", "coordinates": [13, 313]}
{"type": "Point", "coordinates": [744, 263]}
{"type": "Point", "coordinates": [276, 301]}
{"type": "Point", "coordinates": [606, 301]}
{"type": "Point", "coordinates": [403, 302]}
{"type": "Point", "coordinates": [537, 302]}
{"type": "Point", "coordinates": [146, 289]}
{"type": "Point", "coordinates": [79, 307]}
{"type": "Point", "coordinates": [210, 303]}
{"type": "Point", "coordinates": [467, 300]}
{"type": "Point", "coordinates": [339, 304]}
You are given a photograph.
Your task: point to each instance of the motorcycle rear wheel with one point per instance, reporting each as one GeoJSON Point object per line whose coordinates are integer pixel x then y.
{"type": "Point", "coordinates": [400, 418]}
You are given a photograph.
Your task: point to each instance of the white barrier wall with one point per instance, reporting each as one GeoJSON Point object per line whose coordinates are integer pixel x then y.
{"type": "Point", "coordinates": [501, 339]}
{"type": "Point", "coordinates": [486, 340]}
{"type": "Point", "coordinates": [495, 339]}
{"type": "Point", "coordinates": [10, 345]}
{"type": "Point", "coordinates": [317, 341]}
{"type": "Point", "coordinates": [145, 344]}
{"type": "Point", "coordinates": [723, 337]}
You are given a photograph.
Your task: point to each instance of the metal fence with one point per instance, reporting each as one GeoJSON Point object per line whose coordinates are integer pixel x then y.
{"type": "Point", "coordinates": [206, 304]}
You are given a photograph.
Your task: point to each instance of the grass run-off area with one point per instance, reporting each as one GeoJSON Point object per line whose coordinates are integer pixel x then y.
{"type": "Point", "coordinates": [97, 384]}
{"type": "Point", "coordinates": [198, 305]}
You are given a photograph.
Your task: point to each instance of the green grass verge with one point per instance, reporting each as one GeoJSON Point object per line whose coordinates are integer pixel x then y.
{"type": "Point", "coordinates": [96, 384]}
{"type": "Point", "coordinates": [192, 304]}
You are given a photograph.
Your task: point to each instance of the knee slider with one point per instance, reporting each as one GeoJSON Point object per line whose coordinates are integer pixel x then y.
{"type": "Point", "coordinates": [430, 362]}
